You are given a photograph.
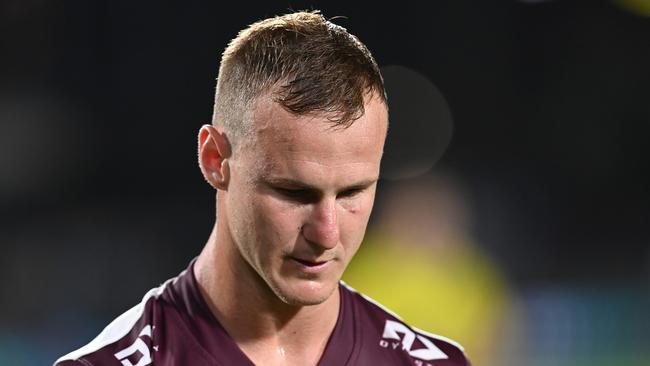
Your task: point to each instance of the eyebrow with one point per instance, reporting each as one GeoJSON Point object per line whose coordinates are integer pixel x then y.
{"type": "Point", "coordinates": [296, 184]}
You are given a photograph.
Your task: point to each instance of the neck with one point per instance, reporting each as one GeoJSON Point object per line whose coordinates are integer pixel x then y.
{"type": "Point", "coordinates": [264, 327]}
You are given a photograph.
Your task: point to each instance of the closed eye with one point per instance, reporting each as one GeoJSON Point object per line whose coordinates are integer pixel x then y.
{"type": "Point", "coordinates": [298, 195]}
{"type": "Point", "coordinates": [296, 191]}
{"type": "Point", "coordinates": [350, 193]}
{"type": "Point", "coordinates": [291, 192]}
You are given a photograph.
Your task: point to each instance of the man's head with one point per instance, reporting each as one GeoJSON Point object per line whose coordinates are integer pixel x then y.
{"type": "Point", "coordinates": [294, 151]}
{"type": "Point", "coordinates": [307, 64]}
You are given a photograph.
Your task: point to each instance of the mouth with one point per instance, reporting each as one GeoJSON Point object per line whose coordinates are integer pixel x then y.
{"type": "Point", "coordinates": [311, 266]}
{"type": "Point", "coordinates": [309, 263]}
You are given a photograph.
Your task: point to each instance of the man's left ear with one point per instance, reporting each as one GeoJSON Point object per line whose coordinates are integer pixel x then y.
{"type": "Point", "coordinates": [214, 152]}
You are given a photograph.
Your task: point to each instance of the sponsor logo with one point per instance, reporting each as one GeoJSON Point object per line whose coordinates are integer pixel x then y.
{"type": "Point", "coordinates": [138, 346]}
{"type": "Point", "coordinates": [397, 335]}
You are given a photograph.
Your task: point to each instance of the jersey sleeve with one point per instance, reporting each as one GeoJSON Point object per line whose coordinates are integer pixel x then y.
{"type": "Point", "coordinates": [126, 340]}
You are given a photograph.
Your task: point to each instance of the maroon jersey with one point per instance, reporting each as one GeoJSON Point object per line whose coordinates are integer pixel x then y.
{"type": "Point", "coordinates": [174, 326]}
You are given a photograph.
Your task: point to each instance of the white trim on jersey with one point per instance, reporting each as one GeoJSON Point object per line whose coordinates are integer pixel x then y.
{"type": "Point", "coordinates": [118, 328]}
{"type": "Point", "coordinates": [429, 334]}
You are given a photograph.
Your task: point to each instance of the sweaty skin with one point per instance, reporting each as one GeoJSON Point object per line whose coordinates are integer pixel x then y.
{"type": "Point", "coordinates": [292, 211]}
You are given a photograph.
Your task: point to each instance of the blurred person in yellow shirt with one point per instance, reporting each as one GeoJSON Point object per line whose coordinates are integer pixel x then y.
{"type": "Point", "coordinates": [420, 260]}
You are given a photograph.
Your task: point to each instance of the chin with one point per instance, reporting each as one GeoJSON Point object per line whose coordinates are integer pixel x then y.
{"type": "Point", "coordinates": [305, 294]}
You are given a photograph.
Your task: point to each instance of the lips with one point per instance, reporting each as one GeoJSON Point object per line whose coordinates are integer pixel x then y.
{"type": "Point", "coordinates": [309, 263]}
{"type": "Point", "coordinates": [311, 266]}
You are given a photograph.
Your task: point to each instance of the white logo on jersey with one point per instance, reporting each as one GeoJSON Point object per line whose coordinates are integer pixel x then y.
{"type": "Point", "coordinates": [428, 353]}
{"type": "Point", "coordinates": [137, 346]}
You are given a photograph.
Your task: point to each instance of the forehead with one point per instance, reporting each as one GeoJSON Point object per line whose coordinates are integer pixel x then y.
{"type": "Point", "coordinates": [311, 147]}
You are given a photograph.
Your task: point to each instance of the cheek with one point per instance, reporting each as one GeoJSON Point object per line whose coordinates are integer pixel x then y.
{"type": "Point", "coordinates": [354, 221]}
{"type": "Point", "coordinates": [241, 223]}
{"type": "Point", "coordinates": [276, 222]}
{"type": "Point", "coordinates": [353, 230]}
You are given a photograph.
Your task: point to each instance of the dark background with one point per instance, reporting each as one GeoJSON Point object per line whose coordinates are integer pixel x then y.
{"type": "Point", "coordinates": [101, 102]}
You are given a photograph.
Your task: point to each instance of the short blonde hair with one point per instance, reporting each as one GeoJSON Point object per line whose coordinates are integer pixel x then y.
{"type": "Point", "coordinates": [309, 64]}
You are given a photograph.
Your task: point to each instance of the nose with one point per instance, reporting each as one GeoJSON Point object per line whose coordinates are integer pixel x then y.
{"type": "Point", "coordinates": [322, 227]}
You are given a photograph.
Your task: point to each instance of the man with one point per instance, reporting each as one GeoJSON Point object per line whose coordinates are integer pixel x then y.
{"type": "Point", "coordinates": [293, 152]}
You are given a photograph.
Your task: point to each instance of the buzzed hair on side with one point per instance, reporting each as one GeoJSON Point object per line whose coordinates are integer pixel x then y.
{"type": "Point", "coordinates": [308, 64]}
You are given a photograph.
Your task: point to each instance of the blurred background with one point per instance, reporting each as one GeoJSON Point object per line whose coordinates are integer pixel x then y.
{"type": "Point", "coordinates": [513, 210]}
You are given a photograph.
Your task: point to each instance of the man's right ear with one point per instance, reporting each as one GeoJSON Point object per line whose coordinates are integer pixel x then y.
{"type": "Point", "coordinates": [214, 154]}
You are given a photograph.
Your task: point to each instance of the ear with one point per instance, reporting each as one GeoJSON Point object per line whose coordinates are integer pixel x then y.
{"type": "Point", "coordinates": [214, 152]}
